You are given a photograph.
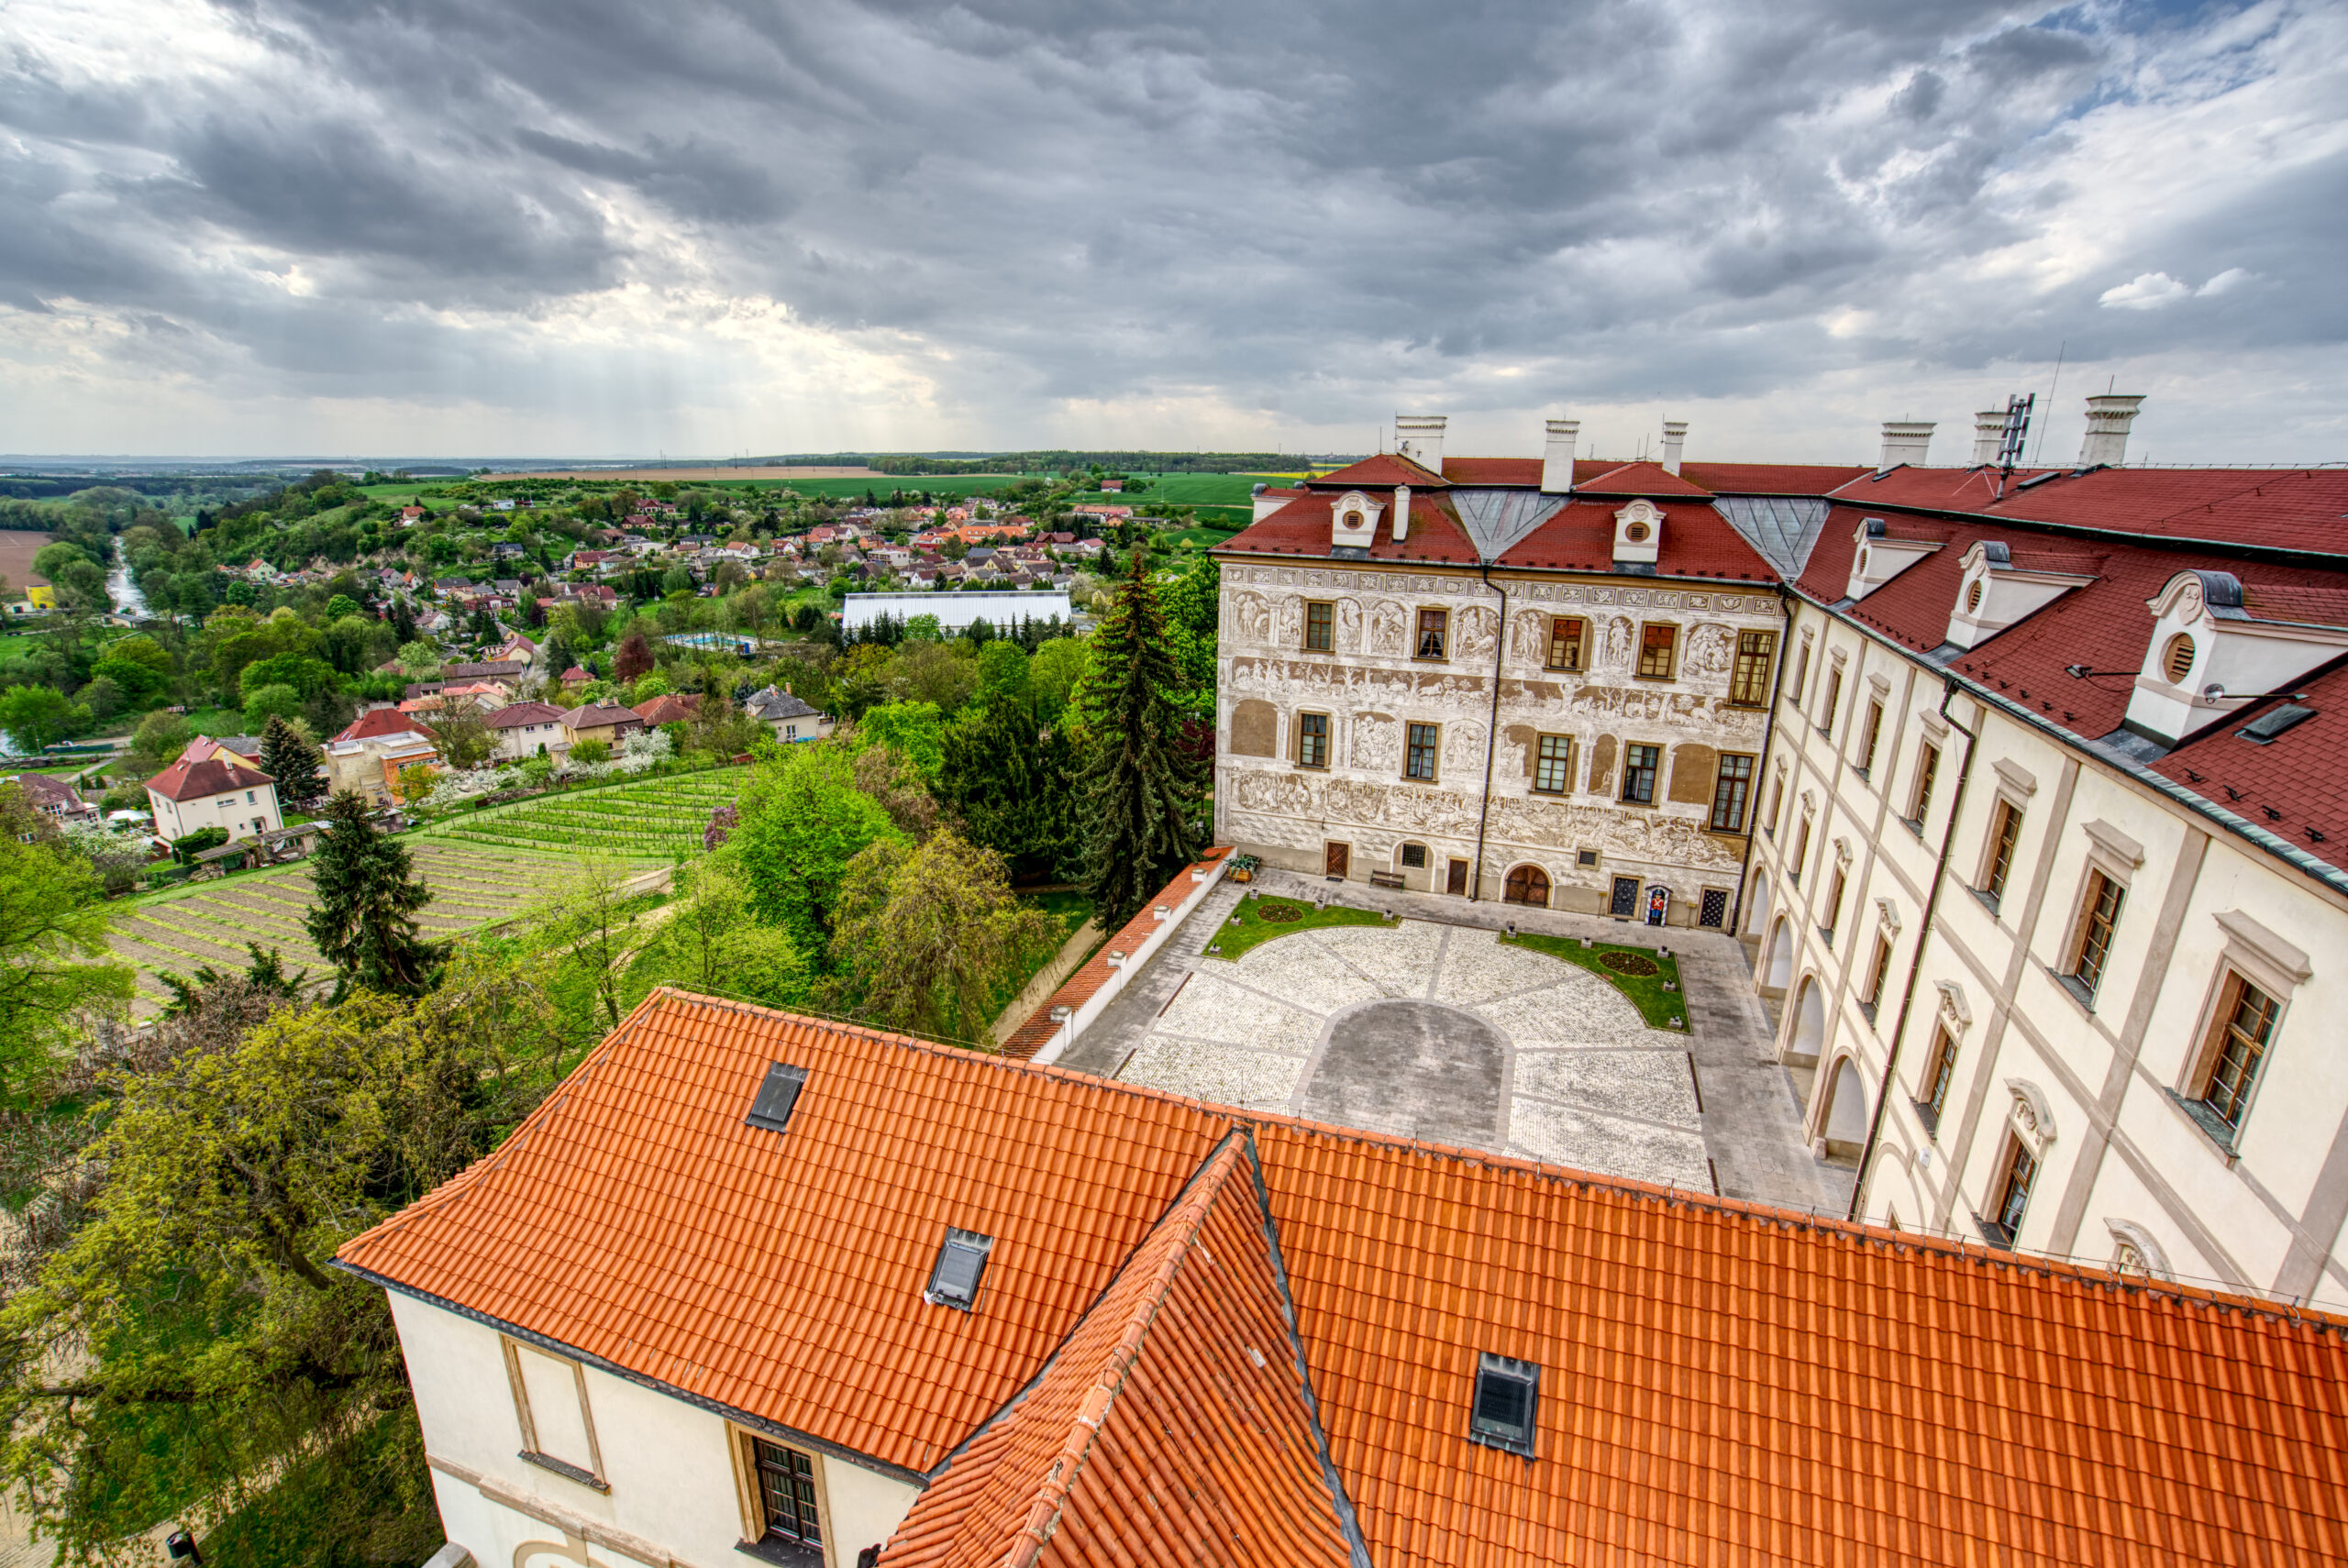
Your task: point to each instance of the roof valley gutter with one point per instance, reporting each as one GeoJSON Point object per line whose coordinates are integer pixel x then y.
{"type": "Point", "coordinates": [1491, 735]}
{"type": "Point", "coordinates": [756, 1423]}
{"type": "Point", "coordinates": [2332, 877]}
{"type": "Point", "coordinates": [1916, 959]}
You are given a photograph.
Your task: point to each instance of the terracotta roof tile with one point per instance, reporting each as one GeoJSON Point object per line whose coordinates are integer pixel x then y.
{"type": "Point", "coordinates": [213, 775]}
{"type": "Point", "coordinates": [1385, 470]}
{"type": "Point", "coordinates": [1697, 542]}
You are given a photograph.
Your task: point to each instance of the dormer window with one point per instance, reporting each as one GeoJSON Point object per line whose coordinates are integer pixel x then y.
{"type": "Point", "coordinates": [1638, 534]}
{"type": "Point", "coordinates": [2218, 644]}
{"type": "Point", "coordinates": [961, 1265]}
{"type": "Point", "coordinates": [2001, 589]}
{"type": "Point", "coordinates": [1352, 521]}
{"type": "Point", "coordinates": [1881, 556]}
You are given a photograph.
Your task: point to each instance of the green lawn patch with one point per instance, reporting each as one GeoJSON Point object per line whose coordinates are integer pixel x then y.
{"type": "Point", "coordinates": [1260, 918]}
{"type": "Point", "coordinates": [1639, 973]}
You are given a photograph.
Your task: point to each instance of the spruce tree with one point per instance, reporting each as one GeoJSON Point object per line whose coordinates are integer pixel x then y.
{"type": "Point", "coordinates": [1139, 789]}
{"type": "Point", "coordinates": [368, 895]}
{"type": "Point", "coordinates": [292, 761]}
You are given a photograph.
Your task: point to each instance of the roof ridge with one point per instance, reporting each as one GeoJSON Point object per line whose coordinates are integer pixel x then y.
{"type": "Point", "coordinates": [1186, 1220]}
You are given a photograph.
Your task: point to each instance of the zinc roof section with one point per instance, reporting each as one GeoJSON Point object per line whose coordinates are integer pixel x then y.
{"type": "Point", "coordinates": [1170, 1429]}
{"type": "Point", "coordinates": [1723, 1385]}
{"type": "Point", "coordinates": [635, 1218]}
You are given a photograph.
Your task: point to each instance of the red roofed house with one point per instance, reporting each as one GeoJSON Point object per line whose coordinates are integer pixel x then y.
{"type": "Point", "coordinates": [217, 790]}
{"type": "Point", "coordinates": [528, 729]}
{"type": "Point", "coordinates": [668, 709]}
{"type": "Point", "coordinates": [575, 677]}
{"type": "Point", "coordinates": [821, 1294]}
{"type": "Point", "coordinates": [53, 797]}
{"type": "Point", "coordinates": [605, 721]}
{"type": "Point", "coordinates": [366, 757]}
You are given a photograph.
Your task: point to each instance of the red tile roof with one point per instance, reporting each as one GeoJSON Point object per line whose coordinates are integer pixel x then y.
{"type": "Point", "coordinates": [213, 775]}
{"type": "Point", "coordinates": [1697, 542]}
{"type": "Point", "coordinates": [1302, 528]}
{"type": "Point", "coordinates": [1383, 471]}
{"type": "Point", "coordinates": [515, 715]}
{"type": "Point", "coordinates": [1639, 479]}
{"type": "Point", "coordinates": [1721, 1382]}
{"type": "Point", "coordinates": [1082, 986]}
{"type": "Point", "coordinates": [1513, 471]}
{"type": "Point", "coordinates": [2297, 509]}
{"type": "Point", "coordinates": [668, 708]}
{"type": "Point", "coordinates": [1768, 479]}
{"type": "Point", "coordinates": [377, 722]}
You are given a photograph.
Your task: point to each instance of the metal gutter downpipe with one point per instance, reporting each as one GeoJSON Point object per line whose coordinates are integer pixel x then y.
{"type": "Point", "coordinates": [1916, 961]}
{"type": "Point", "coordinates": [1492, 739]}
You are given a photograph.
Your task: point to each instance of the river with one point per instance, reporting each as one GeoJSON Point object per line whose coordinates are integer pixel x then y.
{"type": "Point", "coordinates": [122, 590]}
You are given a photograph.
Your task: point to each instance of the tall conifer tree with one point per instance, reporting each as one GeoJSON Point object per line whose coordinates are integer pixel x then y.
{"type": "Point", "coordinates": [1139, 791]}
{"type": "Point", "coordinates": [292, 761]}
{"type": "Point", "coordinates": [368, 896]}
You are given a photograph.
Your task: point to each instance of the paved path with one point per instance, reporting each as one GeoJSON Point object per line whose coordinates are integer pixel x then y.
{"type": "Point", "coordinates": [1431, 1028]}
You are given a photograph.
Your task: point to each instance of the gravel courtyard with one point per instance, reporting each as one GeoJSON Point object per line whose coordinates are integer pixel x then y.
{"type": "Point", "coordinates": [1429, 1026]}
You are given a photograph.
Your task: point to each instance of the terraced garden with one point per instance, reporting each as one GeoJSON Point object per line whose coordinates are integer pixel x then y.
{"type": "Point", "coordinates": [482, 868]}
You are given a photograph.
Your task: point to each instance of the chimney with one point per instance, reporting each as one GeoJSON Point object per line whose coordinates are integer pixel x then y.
{"type": "Point", "coordinates": [1557, 456]}
{"type": "Point", "coordinates": [1675, 436]}
{"type": "Point", "coordinates": [2108, 422]}
{"type": "Point", "coordinates": [1402, 512]}
{"type": "Point", "coordinates": [1904, 441]}
{"type": "Point", "coordinates": [1419, 436]}
{"type": "Point", "coordinates": [1989, 436]}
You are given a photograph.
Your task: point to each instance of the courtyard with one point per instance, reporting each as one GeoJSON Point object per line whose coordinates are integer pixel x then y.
{"type": "Point", "coordinates": [1428, 1024]}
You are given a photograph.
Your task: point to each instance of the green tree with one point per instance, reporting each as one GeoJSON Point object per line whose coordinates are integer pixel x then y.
{"type": "Point", "coordinates": [711, 942]}
{"type": "Point", "coordinates": [267, 705]}
{"type": "Point", "coordinates": [35, 716]}
{"type": "Point", "coordinates": [54, 965]}
{"type": "Point", "coordinates": [1002, 672]}
{"type": "Point", "coordinates": [459, 730]}
{"type": "Point", "coordinates": [363, 921]}
{"type": "Point", "coordinates": [1140, 791]}
{"type": "Point", "coordinates": [341, 604]}
{"type": "Point", "coordinates": [803, 821]}
{"type": "Point", "coordinates": [1193, 608]}
{"type": "Point", "coordinates": [1010, 784]}
{"type": "Point", "coordinates": [158, 742]}
{"type": "Point", "coordinates": [928, 933]}
{"type": "Point", "coordinates": [914, 731]}
{"type": "Point", "coordinates": [590, 752]}
{"type": "Point", "coordinates": [292, 762]}
{"type": "Point", "coordinates": [1053, 675]}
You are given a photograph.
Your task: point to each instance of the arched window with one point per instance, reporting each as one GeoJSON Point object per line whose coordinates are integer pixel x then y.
{"type": "Point", "coordinates": [1528, 884]}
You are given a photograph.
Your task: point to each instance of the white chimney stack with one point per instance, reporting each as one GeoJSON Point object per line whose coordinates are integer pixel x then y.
{"type": "Point", "coordinates": [1989, 436]}
{"type": "Point", "coordinates": [1402, 512]}
{"type": "Point", "coordinates": [1905, 441]}
{"type": "Point", "coordinates": [1419, 436]}
{"type": "Point", "coordinates": [2108, 422]}
{"type": "Point", "coordinates": [1675, 436]}
{"type": "Point", "coordinates": [1557, 456]}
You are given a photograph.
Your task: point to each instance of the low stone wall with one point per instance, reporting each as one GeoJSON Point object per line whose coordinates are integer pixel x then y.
{"type": "Point", "coordinates": [1055, 1025]}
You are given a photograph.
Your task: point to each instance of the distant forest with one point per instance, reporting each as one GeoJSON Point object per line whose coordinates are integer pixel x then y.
{"type": "Point", "coordinates": [1056, 462]}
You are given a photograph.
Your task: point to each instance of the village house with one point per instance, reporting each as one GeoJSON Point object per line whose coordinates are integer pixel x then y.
{"type": "Point", "coordinates": [788, 717]}
{"type": "Point", "coordinates": [215, 790]}
{"type": "Point", "coordinates": [525, 730]}
{"type": "Point", "coordinates": [53, 797]}
{"type": "Point", "coordinates": [605, 721]}
{"type": "Point", "coordinates": [366, 757]}
{"type": "Point", "coordinates": [668, 708]}
{"type": "Point", "coordinates": [809, 1309]}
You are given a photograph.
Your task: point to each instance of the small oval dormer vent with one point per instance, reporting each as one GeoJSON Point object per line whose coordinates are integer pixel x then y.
{"type": "Point", "coordinates": [1973, 598]}
{"type": "Point", "coordinates": [2176, 659]}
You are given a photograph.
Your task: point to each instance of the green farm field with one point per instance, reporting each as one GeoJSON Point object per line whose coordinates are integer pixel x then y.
{"type": "Point", "coordinates": [659, 819]}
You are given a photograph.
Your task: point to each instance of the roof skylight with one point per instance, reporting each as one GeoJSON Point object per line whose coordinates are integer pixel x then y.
{"type": "Point", "coordinates": [1508, 1396]}
{"type": "Point", "coordinates": [777, 1097]}
{"type": "Point", "coordinates": [961, 1265]}
{"type": "Point", "coordinates": [2266, 726]}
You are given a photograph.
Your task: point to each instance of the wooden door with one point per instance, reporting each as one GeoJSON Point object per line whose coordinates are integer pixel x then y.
{"type": "Point", "coordinates": [1624, 904]}
{"type": "Point", "coordinates": [1337, 858]}
{"type": "Point", "coordinates": [1527, 885]}
{"type": "Point", "coordinates": [1456, 882]}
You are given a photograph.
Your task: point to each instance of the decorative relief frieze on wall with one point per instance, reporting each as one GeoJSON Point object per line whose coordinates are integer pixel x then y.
{"type": "Point", "coordinates": [1317, 580]}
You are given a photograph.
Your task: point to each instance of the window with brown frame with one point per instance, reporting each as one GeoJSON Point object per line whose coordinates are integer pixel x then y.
{"type": "Point", "coordinates": [1567, 636]}
{"type": "Point", "coordinates": [1552, 766]}
{"type": "Point", "coordinates": [1312, 740]}
{"type": "Point", "coordinates": [1940, 1069]}
{"type": "Point", "coordinates": [788, 1511]}
{"type": "Point", "coordinates": [1320, 626]}
{"type": "Point", "coordinates": [1878, 974]}
{"type": "Point", "coordinates": [2099, 920]}
{"type": "Point", "coordinates": [1432, 626]}
{"type": "Point", "coordinates": [1927, 766]}
{"type": "Point", "coordinates": [2013, 1194]}
{"type": "Point", "coordinates": [1656, 644]}
{"type": "Point", "coordinates": [2005, 830]}
{"type": "Point", "coordinates": [1833, 903]}
{"type": "Point", "coordinates": [2245, 1028]}
{"type": "Point", "coordinates": [1871, 738]}
{"type": "Point", "coordinates": [1833, 700]}
{"type": "Point", "coordinates": [1748, 680]}
{"type": "Point", "coordinates": [1418, 761]}
{"type": "Point", "coordinates": [1640, 764]}
{"type": "Point", "coordinates": [1731, 792]}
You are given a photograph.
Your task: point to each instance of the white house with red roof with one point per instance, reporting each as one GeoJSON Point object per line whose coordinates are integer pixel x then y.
{"type": "Point", "coordinates": [217, 790]}
{"type": "Point", "coordinates": [528, 729]}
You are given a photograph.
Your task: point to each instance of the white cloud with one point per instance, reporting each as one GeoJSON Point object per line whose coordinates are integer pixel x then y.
{"type": "Point", "coordinates": [2225, 283]}
{"type": "Point", "coordinates": [2146, 291]}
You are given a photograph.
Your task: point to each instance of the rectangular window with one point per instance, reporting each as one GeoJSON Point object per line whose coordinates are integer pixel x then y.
{"type": "Point", "coordinates": [1748, 682]}
{"type": "Point", "coordinates": [2014, 1193]}
{"type": "Point", "coordinates": [1566, 637]}
{"type": "Point", "coordinates": [2100, 919]}
{"type": "Point", "coordinates": [1833, 903]}
{"type": "Point", "coordinates": [1868, 740]}
{"type": "Point", "coordinates": [1801, 853]}
{"type": "Point", "coordinates": [1507, 1403]}
{"type": "Point", "coordinates": [1833, 700]}
{"type": "Point", "coordinates": [1640, 764]}
{"type": "Point", "coordinates": [1312, 740]}
{"type": "Point", "coordinates": [1776, 802]}
{"type": "Point", "coordinates": [1655, 645]}
{"type": "Point", "coordinates": [1939, 1069]}
{"type": "Point", "coordinates": [1320, 627]}
{"type": "Point", "coordinates": [787, 1495]}
{"type": "Point", "coordinates": [1414, 856]}
{"type": "Point", "coordinates": [1433, 624]}
{"type": "Point", "coordinates": [1418, 761]}
{"type": "Point", "coordinates": [1552, 770]}
{"type": "Point", "coordinates": [2005, 828]}
{"type": "Point", "coordinates": [2248, 1028]}
{"type": "Point", "coordinates": [1731, 792]}
{"type": "Point", "coordinates": [1878, 974]}
{"type": "Point", "coordinates": [1927, 766]}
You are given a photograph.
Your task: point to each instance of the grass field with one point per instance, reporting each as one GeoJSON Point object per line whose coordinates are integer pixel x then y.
{"type": "Point", "coordinates": [482, 868]}
{"type": "Point", "coordinates": [658, 819]}
{"type": "Point", "coordinates": [1662, 1009]}
{"type": "Point", "coordinates": [1247, 926]}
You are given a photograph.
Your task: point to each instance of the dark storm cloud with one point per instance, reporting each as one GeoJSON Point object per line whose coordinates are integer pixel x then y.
{"type": "Point", "coordinates": [1291, 208]}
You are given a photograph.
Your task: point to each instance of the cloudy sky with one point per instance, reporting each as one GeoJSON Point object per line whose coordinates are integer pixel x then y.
{"type": "Point", "coordinates": [713, 226]}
